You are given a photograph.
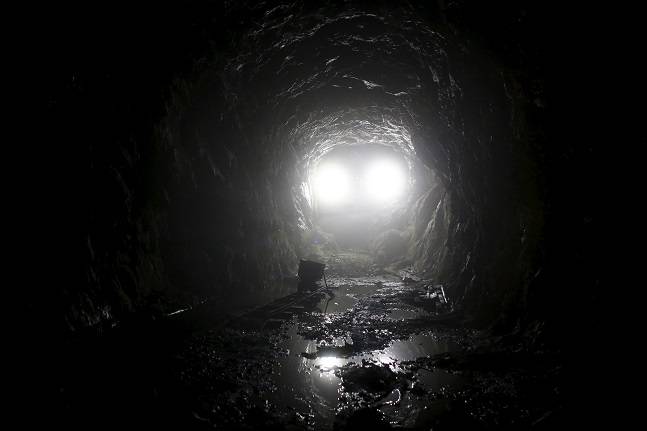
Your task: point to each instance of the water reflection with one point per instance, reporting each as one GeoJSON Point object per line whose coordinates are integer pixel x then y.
{"type": "Point", "coordinates": [349, 291]}
{"type": "Point", "coordinates": [329, 363]}
{"type": "Point", "coordinates": [309, 386]}
{"type": "Point", "coordinates": [417, 346]}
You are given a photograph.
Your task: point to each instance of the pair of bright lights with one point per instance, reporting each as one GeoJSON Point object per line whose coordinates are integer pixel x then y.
{"type": "Point", "coordinates": [382, 182]}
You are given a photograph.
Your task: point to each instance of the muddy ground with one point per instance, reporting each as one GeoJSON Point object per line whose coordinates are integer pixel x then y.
{"type": "Point", "coordinates": [367, 351]}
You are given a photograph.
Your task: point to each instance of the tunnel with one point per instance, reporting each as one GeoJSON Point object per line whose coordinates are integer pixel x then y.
{"type": "Point", "coordinates": [410, 148]}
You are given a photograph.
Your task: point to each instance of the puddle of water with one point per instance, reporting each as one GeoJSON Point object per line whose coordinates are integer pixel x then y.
{"type": "Point", "coordinates": [350, 290]}
{"type": "Point", "coordinates": [328, 363]}
{"type": "Point", "coordinates": [309, 386]}
{"type": "Point", "coordinates": [340, 303]}
{"type": "Point", "coordinates": [417, 346]}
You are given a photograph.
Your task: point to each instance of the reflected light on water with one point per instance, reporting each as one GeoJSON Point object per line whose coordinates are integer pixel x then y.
{"type": "Point", "coordinates": [383, 358]}
{"type": "Point", "coordinates": [328, 363]}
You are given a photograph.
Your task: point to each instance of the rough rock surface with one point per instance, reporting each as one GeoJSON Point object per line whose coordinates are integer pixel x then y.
{"type": "Point", "coordinates": [212, 200]}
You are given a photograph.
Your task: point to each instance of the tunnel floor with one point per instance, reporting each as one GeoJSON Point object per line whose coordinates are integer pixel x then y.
{"type": "Point", "coordinates": [379, 357]}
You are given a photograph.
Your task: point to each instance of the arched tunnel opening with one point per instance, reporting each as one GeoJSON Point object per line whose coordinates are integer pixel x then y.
{"type": "Point", "coordinates": [359, 187]}
{"type": "Point", "coordinates": [406, 147]}
{"type": "Point", "coordinates": [354, 193]}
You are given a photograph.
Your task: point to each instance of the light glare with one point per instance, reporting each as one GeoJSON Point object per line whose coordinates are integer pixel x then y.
{"type": "Point", "coordinates": [384, 181]}
{"type": "Point", "coordinates": [327, 363]}
{"type": "Point", "coordinates": [331, 184]}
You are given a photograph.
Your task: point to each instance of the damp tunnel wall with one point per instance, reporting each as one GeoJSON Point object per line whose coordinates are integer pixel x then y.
{"type": "Point", "coordinates": [211, 203]}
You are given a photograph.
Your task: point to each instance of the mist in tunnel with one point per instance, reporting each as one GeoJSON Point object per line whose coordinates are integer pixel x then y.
{"type": "Point", "coordinates": [410, 147]}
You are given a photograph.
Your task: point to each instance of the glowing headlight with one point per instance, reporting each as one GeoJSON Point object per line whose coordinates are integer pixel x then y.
{"type": "Point", "coordinates": [384, 181]}
{"type": "Point", "coordinates": [331, 184]}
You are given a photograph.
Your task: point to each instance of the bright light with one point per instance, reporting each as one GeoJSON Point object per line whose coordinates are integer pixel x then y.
{"type": "Point", "coordinates": [384, 181]}
{"type": "Point", "coordinates": [331, 184]}
{"type": "Point", "coordinates": [327, 363]}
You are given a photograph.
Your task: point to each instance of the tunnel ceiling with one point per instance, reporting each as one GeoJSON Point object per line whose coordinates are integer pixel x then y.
{"type": "Point", "coordinates": [327, 76]}
{"type": "Point", "coordinates": [352, 127]}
